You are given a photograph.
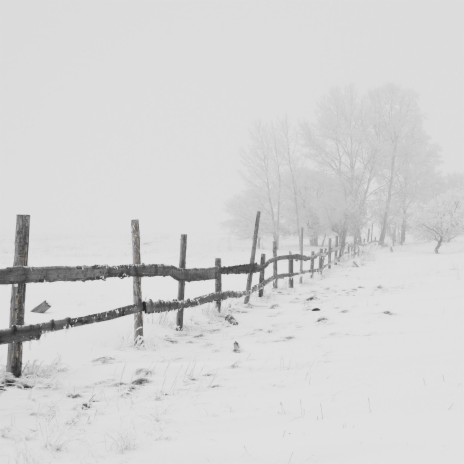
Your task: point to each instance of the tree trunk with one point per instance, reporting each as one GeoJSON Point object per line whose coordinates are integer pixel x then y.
{"type": "Point", "coordinates": [314, 240]}
{"type": "Point", "coordinates": [404, 226]}
{"type": "Point", "coordinates": [275, 237]}
{"type": "Point", "coordinates": [439, 242]}
{"type": "Point", "coordinates": [343, 233]}
{"type": "Point", "coordinates": [386, 213]}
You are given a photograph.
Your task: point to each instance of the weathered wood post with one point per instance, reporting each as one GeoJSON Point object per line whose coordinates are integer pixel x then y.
{"type": "Point", "coordinates": [252, 257]}
{"type": "Point", "coordinates": [368, 235]}
{"type": "Point", "coordinates": [312, 264]}
{"type": "Point", "coordinates": [137, 283]}
{"type": "Point", "coordinates": [301, 253]}
{"type": "Point", "coordinates": [181, 284]}
{"type": "Point", "coordinates": [14, 360]}
{"type": "Point", "coordinates": [321, 260]}
{"type": "Point", "coordinates": [330, 254]}
{"type": "Point", "coordinates": [261, 275]}
{"type": "Point", "coordinates": [337, 251]}
{"type": "Point", "coordinates": [218, 282]}
{"type": "Point", "coordinates": [274, 264]}
{"type": "Point", "coordinates": [290, 270]}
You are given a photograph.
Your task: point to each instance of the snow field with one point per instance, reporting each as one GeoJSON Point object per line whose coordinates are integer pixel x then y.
{"type": "Point", "coordinates": [375, 376]}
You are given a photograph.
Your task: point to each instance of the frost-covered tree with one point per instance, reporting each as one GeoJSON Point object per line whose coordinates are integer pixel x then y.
{"type": "Point", "coordinates": [417, 181]}
{"type": "Point", "coordinates": [396, 123]}
{"type": "Point", "coordinates": [442, 219]}
{"type": "Point", "coordinates": [263, 170]}
{"type": "Point", "coordinates": [340, 144]}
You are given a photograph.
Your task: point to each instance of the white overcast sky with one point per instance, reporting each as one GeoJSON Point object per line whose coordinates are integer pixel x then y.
{"type": "Point", "coordinates": [113, 110]}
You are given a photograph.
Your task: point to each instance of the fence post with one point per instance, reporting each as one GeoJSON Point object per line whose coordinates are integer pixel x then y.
{"type": "Point", "coordinates": [321, 260]}
{"type": "Point", "coordinates": [252, 257]}
{"type": "Point", "coordinates": [312, 264]}
{"type": "Point", "coordinates": [218, 283]}
{"type": "Point", "coordinates": [261, 275]}
{"type": "Point", "coordinates": [137, 283]}
{"type": "Point", "coordinates": [290, 270]}
{"type": "Point", "coordinates": [368, 235]}
{"type": "Point", "coordinates": [301, 253]}
{"type": "Point", "coordinates": [181, 284]}
{"type": "Point", "coordinates": [274, 264]}
{"type": "Point", "coordinates": [330, 253]}
{"type": "Point", "coordinates": [14, 362]}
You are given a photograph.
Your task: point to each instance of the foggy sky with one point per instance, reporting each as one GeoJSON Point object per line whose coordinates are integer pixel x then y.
{"type": "Point", "coordinates": [113, 110]}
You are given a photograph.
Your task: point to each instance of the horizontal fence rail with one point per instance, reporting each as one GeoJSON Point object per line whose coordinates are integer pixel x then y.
{"type": "Point", "coordinates": [21, 274]}
{"type": "Point", "coordinates": [28, 275]}
{"type": "Point", "coordinates": [34, 331]}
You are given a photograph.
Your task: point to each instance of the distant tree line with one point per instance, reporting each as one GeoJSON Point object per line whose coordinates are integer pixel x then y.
{"type": "Point", "coordinates": [364, 159]}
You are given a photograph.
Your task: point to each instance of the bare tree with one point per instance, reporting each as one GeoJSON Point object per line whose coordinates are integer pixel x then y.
{"type": "Point", "coordinates": [340, 144]}
{"type": "Point", "coordinates": [417, 180]}
{"type": "Point", "coordinates": [442, 219]}
{"type": "Point", "coordinates": [396, 123]}
{"type": "Point", "coordinates": [263, 163]}
{"type": "Point", "coordinates": [287, 138]}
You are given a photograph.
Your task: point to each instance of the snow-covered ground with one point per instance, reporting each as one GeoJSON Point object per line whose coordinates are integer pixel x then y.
{"type": "Point", "coordinates": [362, 365]}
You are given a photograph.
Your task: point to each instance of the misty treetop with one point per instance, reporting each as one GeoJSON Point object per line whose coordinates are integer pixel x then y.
{"type": "Point", "coordinates": [363, 159]}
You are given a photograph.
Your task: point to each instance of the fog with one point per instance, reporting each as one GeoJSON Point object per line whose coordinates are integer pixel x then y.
{"type": "Point", "coordinates": [111, 111]}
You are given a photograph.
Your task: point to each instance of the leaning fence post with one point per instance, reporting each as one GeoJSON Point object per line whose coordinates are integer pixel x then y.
{"type": "Point", "coordinates": [137, 283]}
{"type": "Point", "coordinates": [261, 275]}
{"type": "Point", "coordinates": [181, 284]}
{"type": "Point", "coordinates": [321, 260]}
{"type": "Point", "coordinates": [330, 254]}
{"type": "Point", "coordinates": [252, 257]}
{"type": "Point", "coordinates": [290, 270]}
{"type": "Point", "coordinates": [274, 264]}
{"type": "Point", "coordinates": [218, 283]}
{"type": "Point", "coordinates": [14, 361]}
{"type": "Point", "coordinates": [312, 264]}
{"type": "Point", "coordinates": [301, 253]}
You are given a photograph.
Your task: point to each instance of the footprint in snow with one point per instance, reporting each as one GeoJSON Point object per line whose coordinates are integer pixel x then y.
{"type": "Point", "coordinates": [140, 381]}
{"type": "Point", "coordinates": [143, 371]}
{"type": "Point", "coordinates": [104, 360]}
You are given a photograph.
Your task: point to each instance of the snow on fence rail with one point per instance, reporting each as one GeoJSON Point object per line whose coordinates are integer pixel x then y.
{"type": "Point", "coordinates": [20, 274]}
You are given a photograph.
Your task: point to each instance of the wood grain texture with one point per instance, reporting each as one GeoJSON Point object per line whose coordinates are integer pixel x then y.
{"type": "Point", "coordinates": [14, 362]}
{"type": "Point", "coordinates": [181, 284]}
{"type": "Point", "coordinates": [218, 282]}
{"type": "Point", "coordinates": [252, 257]}
{"type": "Point", "coordinates": [22, 274]}
{"type": "Point", "coordinates": [261, 274]}
{"type": "Point", "coordinates": [137, 283]}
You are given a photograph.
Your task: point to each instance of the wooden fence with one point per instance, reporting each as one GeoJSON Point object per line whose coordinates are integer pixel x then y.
{"type": "Point", "coordinates": [20, 274]}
